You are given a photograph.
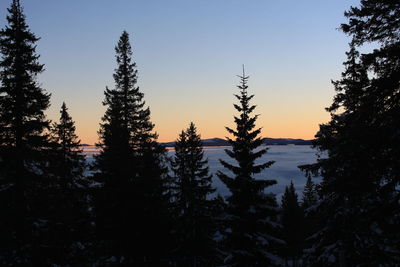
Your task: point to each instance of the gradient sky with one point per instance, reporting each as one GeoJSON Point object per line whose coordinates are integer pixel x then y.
{"type": "Point", "coordinates": [188, 54]}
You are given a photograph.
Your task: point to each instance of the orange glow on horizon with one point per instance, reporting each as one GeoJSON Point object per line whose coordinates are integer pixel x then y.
{"type": "Point", "coordinates": [213, 129]}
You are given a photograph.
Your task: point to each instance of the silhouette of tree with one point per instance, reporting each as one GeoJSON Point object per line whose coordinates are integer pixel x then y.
{"type": "Point", "coordinates": [361, 172]}
{"type": "Point", "coordinates": [70, 161]}
{"type": "Point", "coordinates": [131, 172]}
{"type": "Point", "coordinates": [23, 140]}
{"type": "Point", "coordinates": [251, 213]}
{"type": "Point", "coordinates": [292, 225]}
{"type": "Point", "coordinates": [68, 215]}
{"type": "Point", "coordinates": [192, 188]}
{"type": "Point", "coordinates": [311, 218]}
{"type": "Point", "coordinates": [310, 194]}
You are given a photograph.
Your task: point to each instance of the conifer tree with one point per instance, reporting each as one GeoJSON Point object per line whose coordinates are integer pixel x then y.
{"type": "Point", "coordinates": [292, 225]}
{"type": "Point", "coordinates": [68, 212]}
{"type": "Point", "coordinates": [312, 220]}
{"type": "Point", "coordinates": [192, 188]}
{"type": "Point", "coordinates": [359, 196]}
{"type": "Point", "coordinates": [70, 159]}
{"type": "Point", "coordinates": [343, 190]}
{"type": "Point", "coordinates": [310, 194]}
{"type": "Point", "coordinates": [251, 213]}
{"type": "Point", "coordinates": [23, 140]}
{"type": "Point", "coordinates": [131, 170]}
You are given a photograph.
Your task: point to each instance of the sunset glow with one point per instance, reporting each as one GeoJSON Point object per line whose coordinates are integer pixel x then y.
{"type": "Point", "coordinates": [187, 51]}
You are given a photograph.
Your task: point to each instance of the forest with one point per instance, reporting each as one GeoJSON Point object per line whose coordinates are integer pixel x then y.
{"type": "Point", "coordinates": [141, 207]}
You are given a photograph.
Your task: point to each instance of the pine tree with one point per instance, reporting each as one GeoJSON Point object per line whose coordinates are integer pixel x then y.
{"type": "Point", "coordinates": [343, 189]}
{"type": "Point", "coordinates": [70, 162]}
{"type": "Point", "coordinates": [130, 169]}
{"type": "Point", "coordinates": [312, 219]}
{"type": "Point", "coordinates": [292, 225]}
{"type": "Point", "coordinates": [23, 140]}
{"type": "Point", "coordinates": [194, 209]}
{"type": "Point", "coordinates": [68, 212]}
{"type": "Point", "coordinates": [310, 194]}
{"type": "Point", "coordinates": [359, 196]}
{"type": "Point", "coordinates": [153, 221]}
{"type": "Point", "coordinates": [251, 213]}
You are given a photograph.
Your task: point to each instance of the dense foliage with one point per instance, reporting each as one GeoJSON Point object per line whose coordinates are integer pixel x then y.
{"type": "Point", "coordinates": [292, 225]}
{"type": "Point", "coordinates": [195, 225]}
{"type": "Point", "coordinates": [23, 142]}
{"type": "Point", "coordinates": [251, 212]}
{"type": "Point", "coordinates": [68, 199]}
{"type": "Point", "coordinates": [360, 197]}
{"type": "Point", "coordinates": [133, 192]}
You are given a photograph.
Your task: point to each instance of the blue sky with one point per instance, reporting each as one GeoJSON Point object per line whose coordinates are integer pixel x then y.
{"type": "Point", "coordinates": [188, 55]}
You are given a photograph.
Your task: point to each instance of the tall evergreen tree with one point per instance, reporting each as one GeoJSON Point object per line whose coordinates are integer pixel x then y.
{"type": "Point", "coordinates": [70, 163]}
{"type": "Point", "coordinates": [68, 214]}
{"type": "Point", "coordinates": [251, 213]}
{"type": "Point", "coordinates": [359, 203]}
{"type": "Point", "coordinates": [194, 211]}
{"type": "Point", "coordinates": [292, 225]}
{"type": "Point", "coordinates": [131, 170]}
{"type": "Point", "coordinates": [22, 140]}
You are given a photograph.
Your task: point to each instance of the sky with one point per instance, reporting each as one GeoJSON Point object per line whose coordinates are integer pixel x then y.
{"type": "Point", "coordinates": [188, 54]}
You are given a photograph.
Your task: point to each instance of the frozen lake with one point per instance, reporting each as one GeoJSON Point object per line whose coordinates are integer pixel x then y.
{"type": "Point", "coordinates": [286, 158]}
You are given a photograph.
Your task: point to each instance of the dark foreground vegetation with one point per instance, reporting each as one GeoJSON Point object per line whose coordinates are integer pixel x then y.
{"type": "Point", "coordinates": [141, 208]}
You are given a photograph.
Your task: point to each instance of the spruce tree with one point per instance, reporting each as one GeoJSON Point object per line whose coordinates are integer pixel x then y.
{"type": "Point", "coordinates": [310, 194]}
{"type": "Point", "coordinates": [312, 220]}
{"type": "Point", "coordinates": [359, 203]}
{"type": "Point", "coordinates": [345, 184]}
{"type": "Point", "coordinates": [131, 171]}
{"type": "Point", "coordinates": [70, 163]}
{"type": "Point", "coordinates": [251, 212]}
{"type": "Point", "coordinates": [68, 212]}
{"type": "Point", "coordinates": [292, 225]}
{"type": "Point", "coordinates": [193, 207]}
{"type": "Point", "coordinates": [23, 140]}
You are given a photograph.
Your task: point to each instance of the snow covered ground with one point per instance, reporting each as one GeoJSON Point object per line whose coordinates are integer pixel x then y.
{"type": "Point", "coordinates": [286, 158]}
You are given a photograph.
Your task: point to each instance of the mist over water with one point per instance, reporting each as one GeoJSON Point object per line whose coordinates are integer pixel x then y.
{"type": "Point", "coordinates": [286, 158]}
{"type": "Point", "coordinates": [285, 169]}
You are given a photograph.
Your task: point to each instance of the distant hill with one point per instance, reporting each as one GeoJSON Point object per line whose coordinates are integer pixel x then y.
{"type": "Point", "coordinates": [268, 141]}
{"type": "Point", "coordinates": [206, 142]}
{"type": "Point", "coordinates": [287, 141]}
